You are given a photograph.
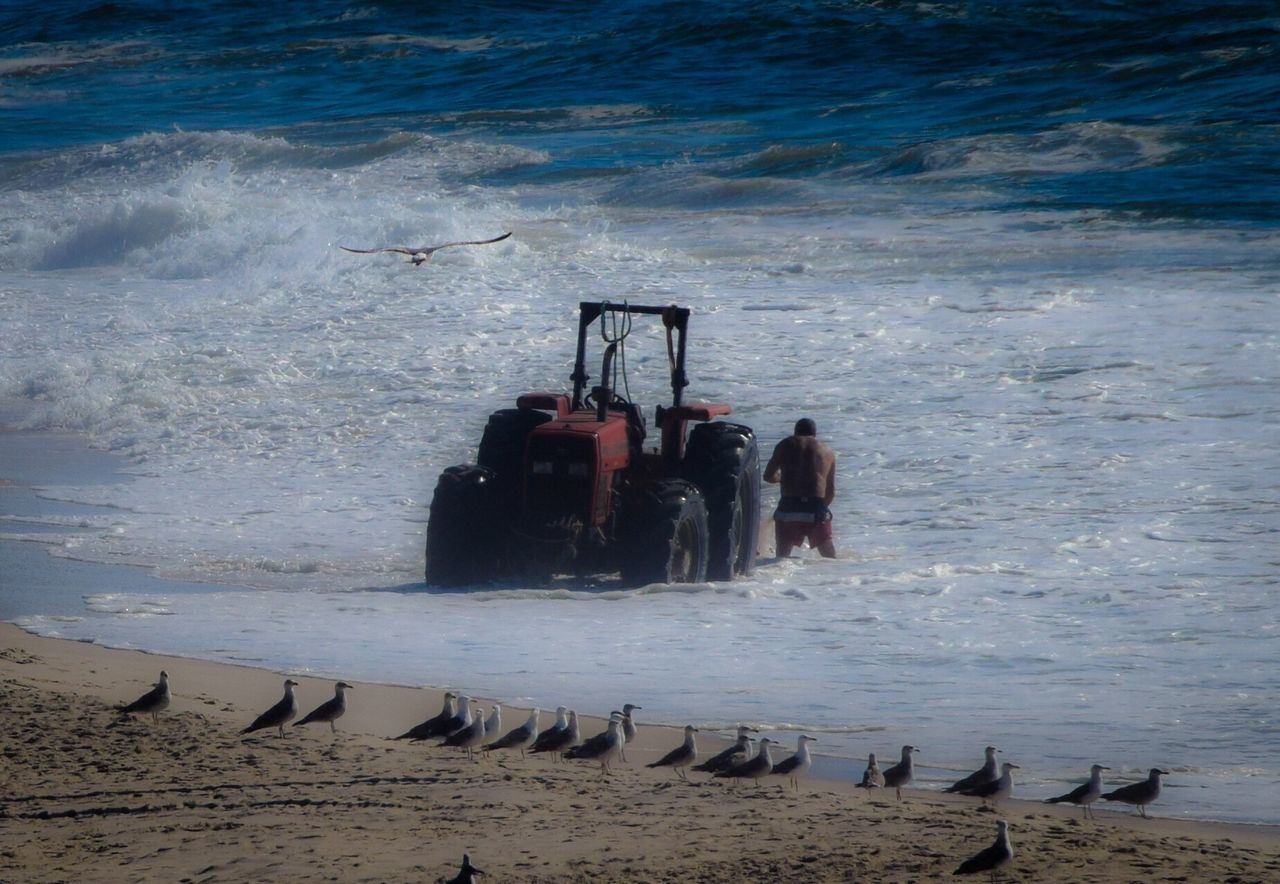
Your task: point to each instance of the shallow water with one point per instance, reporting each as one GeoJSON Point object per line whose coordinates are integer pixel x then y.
{"type": "Point", "coordinates": [1027, 292]}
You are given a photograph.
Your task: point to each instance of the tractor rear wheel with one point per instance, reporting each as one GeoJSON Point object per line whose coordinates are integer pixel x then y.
{"type": "Point", "coordinates": [723, 460]}
{"type": "Point", "coordinates": [463, 528]}
{"type": "Point", "coordinates": [503, 444]}
{"type": "Point", "coordinates": [667, 540]}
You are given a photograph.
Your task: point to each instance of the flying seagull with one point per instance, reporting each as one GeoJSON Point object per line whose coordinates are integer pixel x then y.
{"type": "Point", "coordinates": [1140, 793]}
{"type": "Point", "coordinates": [330, 710]}
{"type": "Point", "coordinates": [466, 875]}
{"type": "Point", "coordinates": [153, 701]}
{"type": "Point", "coordinates": [681, 756]}
{"type": "Point", "coordinates": [422, 255]}
{"type": "Point", "coordinates": [1086, 794]}
{"type": "Point", "coordinates": [979, 777]}
{"type": "Point", "coordinates": [278, 715]}
{"type": "Point", "coordinates": [993, 858]}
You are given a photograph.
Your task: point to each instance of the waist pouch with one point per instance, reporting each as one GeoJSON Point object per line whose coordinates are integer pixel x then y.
{"type": "Point", "coordinates": [802, 509]}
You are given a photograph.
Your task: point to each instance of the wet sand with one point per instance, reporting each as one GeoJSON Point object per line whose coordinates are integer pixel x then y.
{"type": "Point", "coordinates": [88, 795]}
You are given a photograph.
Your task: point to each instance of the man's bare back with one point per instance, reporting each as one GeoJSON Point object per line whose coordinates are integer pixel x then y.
{"type": "Point", "coordinates": [807, 470]}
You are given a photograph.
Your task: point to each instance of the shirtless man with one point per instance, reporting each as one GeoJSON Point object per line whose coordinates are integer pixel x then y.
{"type": "Point", "coordinates": [807, 470]}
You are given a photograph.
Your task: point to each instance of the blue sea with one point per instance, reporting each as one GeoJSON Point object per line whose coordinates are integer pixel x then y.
{"type": "Point", "coordinates": [1019, 261]}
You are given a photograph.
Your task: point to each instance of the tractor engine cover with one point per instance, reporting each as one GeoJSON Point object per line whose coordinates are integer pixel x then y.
{"type": "Point", "coordinates": [569, 465]}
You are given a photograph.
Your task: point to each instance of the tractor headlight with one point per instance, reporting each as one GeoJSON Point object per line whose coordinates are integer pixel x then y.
{"type": "Point", "coordinates": [579, 470]}
{"type": "Point", "coordinates": [542, 468]}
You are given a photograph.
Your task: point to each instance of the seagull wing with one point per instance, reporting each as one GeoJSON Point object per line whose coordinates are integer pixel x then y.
{"type": "Point", "coordinates": [986, 790]}
{"type": "Point", "coordinates": [719, 761]}
{"type": "Point", "coordinates": [972, 781]}
{"type": "Point", "coordinates": [679, 753]}
{"type": "Point", "coordinates": [401, 249]}
{"type": "Point", "coordinates": [512, 738]}
{"type": "Point", "coordinates": [983, 861]}
{"type": "Point", "coordinates": [787, 765]}
{"type": "Point", "coordinates": [1075, 796]}
{"type": "Point", "coordinates": [444, 245]}
{"type": "Point", "coordinates": [146, 701]}
{"type": "Point", "coordinates": [324, 712]}
{"type": "Point", "coordinates": [277, 715]}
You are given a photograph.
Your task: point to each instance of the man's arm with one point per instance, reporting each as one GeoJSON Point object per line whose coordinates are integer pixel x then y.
{"type": "Point", "coordinates": [831, 480]}
{"type": "Point", "coordinates": [773, 469]}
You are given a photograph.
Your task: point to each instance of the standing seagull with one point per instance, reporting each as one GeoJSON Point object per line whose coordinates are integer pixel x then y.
{"type": "Point", "coordinates": [493, 724]}
{"type": "Point", "coordinates": [797, 765]}
{"type": "Point", "coordinates": [278, 715]}
{"type": "Point", "coordinates": [330, 710]}
{"type": "Point", "coordinates": [153, 701]}
{"type": "Point", "coordinates": [553, 732]}
{"type": "Point", "coordinates": [979, 777]}
{"type": "Point", "coordinates": [461, 718]}
{"type": "Point", "coordinates": [470, 737]}
{"type": "Point", "coordinates": [521, 738]}
{"type": "Point", "coordinates": [600, 740]}
{"type": "Point", "coordinates": [467, 874]}
{"type": "Point", "coordinates": [872, 778]}
{"type": "Point", "coordinates": [994, 858]}
{"type": "Point", "coordinates": [1086, 794]}
{"type": "Point", "coordinates": [902, 773]}
{"type": "Point", "coordinates": [435, 725]}
{"type": "Point", "coordinates": [422, 255]}
{"type": "Point", "coordinates": [558, 739]}
{"type": "Point", "coordinates": [629, 730]}
{"type": "Point", "coordinates": [753, 768]}
{"type": "Point", "coordinates": [681, 756]}
{"type": "Point", "coordinates": [602, 747]}
{"type": "Point", "coordinates": [1000, 787]}
{"type": "Point", "coordinates": [1141, 794]}
{"type": "Point", "coordinates": [738, 752]}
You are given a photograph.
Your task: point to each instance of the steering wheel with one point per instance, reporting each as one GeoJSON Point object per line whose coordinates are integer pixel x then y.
{"type": "Point", "coordinates": [590, 399]}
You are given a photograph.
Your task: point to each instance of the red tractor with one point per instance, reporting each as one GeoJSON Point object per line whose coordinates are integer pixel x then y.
{"type": "Point", "coordinates": [574, 484]}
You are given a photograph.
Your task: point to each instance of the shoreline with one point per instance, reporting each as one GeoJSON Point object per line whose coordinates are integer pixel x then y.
{"type": "Point", "coordinates": [193, 782]}
{"type": "Point", "coordinates": [55, 585]}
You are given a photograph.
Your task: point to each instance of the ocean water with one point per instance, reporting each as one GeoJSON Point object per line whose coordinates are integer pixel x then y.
{"type": "Point", "coordinates": [1019, 261]}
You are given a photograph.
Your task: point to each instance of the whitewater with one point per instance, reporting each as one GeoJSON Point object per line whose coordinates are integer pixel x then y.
{"type": "Point", "coordinates": [1056, 422]}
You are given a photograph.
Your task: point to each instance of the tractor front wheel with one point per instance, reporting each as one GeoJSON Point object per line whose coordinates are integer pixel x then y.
{"type": "Point", "coordinates": [667, 536]}
{"type": "Point", "coordinates": [722, 459]}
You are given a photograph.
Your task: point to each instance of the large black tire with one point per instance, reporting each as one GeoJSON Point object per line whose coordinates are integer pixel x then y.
{"type": "Point", "coordinates": [723, 460]}
{"type": "Point", "coordinates": [503, 444]}
{"type": "Point", "coordinates": [667, 536]}
{"type": "Point", "coordinates": [463, 528]}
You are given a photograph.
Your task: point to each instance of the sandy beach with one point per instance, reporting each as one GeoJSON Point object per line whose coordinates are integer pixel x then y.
{"type": "Point", "coordinates": [88, 795]}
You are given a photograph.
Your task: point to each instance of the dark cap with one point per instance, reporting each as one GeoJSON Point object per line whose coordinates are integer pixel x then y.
{"type": "Point", "coordinates": [806, 427]}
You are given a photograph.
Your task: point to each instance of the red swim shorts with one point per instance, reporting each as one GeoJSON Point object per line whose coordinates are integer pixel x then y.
{"type": "Point", "coordinates": [796, 533]}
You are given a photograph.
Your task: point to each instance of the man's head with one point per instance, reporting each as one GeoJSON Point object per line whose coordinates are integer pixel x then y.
{"type": "Point", "coordinates": [806, 427]}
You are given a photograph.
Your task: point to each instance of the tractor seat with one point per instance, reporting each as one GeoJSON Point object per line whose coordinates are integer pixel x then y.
{"type": "Point", "coordinates": [635, 424]}
{"type": "Point", "coordinates": [634, 414]}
